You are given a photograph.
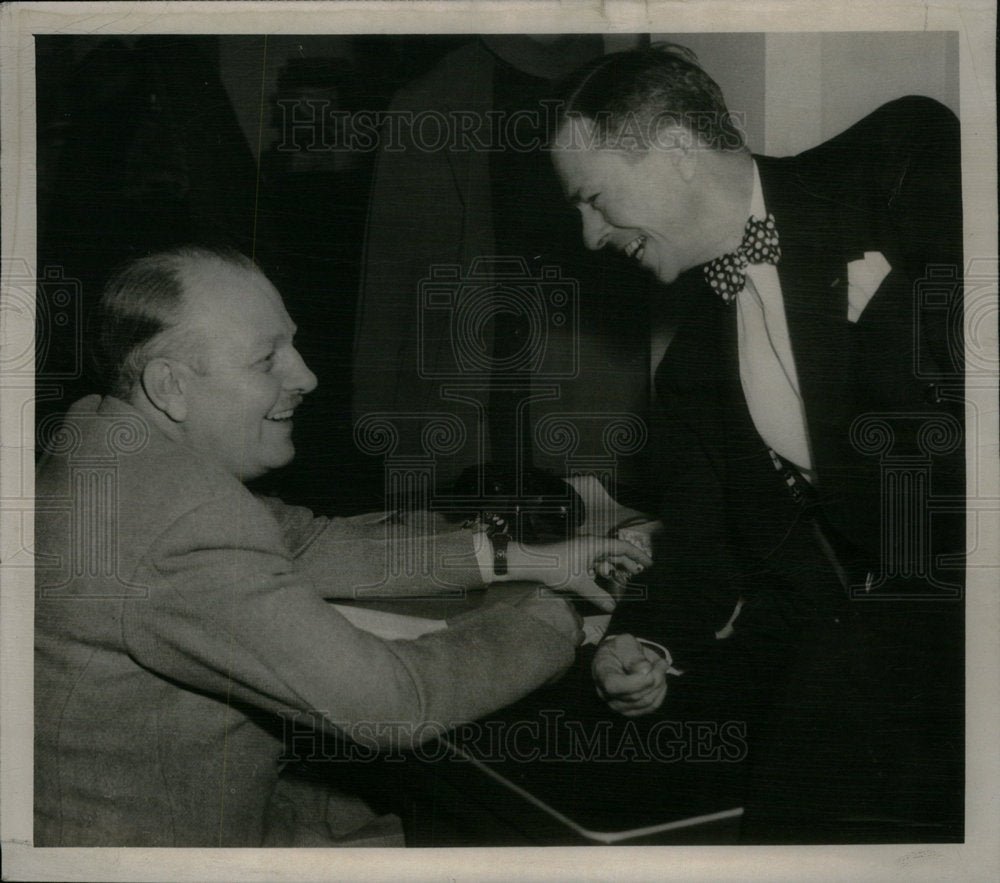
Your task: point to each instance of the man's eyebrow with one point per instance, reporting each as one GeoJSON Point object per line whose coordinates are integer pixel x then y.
{"type": "Point", "coordinates": [278, 336]}
{"type": "Point", "coordinates": [575, 197]}
{"type": "Point", "coordinates": [271, 341]}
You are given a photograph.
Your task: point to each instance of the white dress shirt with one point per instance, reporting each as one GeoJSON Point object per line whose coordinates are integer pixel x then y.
{"type": "Point", "coordinates": [767, 367]}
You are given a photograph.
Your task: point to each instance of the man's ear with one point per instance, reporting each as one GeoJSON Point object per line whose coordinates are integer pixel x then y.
{"type": "Point", "coordinates": [165, 384]}
{"type": "Point", "coordinates": [687, 152]}
{"type": "Point", "coordinates": [681, 146]}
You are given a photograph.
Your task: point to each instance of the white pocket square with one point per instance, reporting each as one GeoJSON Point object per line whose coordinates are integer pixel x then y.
{"type": "Point", "coordinates": [863, 279]}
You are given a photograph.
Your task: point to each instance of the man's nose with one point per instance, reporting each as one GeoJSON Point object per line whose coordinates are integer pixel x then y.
{"type": "Point", "coordinates": [595, 229]}
{"type": "Point", "coordinates": [299, 377]}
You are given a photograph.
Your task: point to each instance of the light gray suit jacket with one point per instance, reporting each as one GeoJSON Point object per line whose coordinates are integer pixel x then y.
{"type": "Point", "coordinates": [180, 620]}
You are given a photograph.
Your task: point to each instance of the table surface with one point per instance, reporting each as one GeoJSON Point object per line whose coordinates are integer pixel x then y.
{"type": "Point", "coordinates": [560, 767]}
{"type": "Point", "coordinates": [606, 778]}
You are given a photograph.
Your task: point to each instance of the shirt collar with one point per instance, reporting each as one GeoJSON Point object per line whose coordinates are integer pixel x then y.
{"type": "Point", "coordinates": [757, 207]}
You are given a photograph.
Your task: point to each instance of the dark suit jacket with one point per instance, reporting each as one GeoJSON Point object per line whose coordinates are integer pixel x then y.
{"type": "Point", "coordinates": [883, 402]}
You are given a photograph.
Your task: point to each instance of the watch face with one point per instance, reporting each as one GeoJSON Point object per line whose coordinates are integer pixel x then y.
{"type": "Point", "coordinates": [499, 541]}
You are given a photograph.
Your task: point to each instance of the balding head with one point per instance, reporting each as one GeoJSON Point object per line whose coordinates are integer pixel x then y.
{"type": "Point", "coordinates": [199, 342]}
{"type": "Point", "coordinates": [141, 314]}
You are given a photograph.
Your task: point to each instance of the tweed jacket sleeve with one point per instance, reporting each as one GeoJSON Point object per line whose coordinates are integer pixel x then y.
{"type": "Point", "coordinates": [378, 554]}
{"type": "Point", "coordinates": [228, 613]}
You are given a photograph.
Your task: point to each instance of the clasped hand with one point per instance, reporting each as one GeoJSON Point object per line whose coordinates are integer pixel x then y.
{"type": "Point", "coordinates": [629, 676]}
{"type": "Point", "coordinates": [575, 565]}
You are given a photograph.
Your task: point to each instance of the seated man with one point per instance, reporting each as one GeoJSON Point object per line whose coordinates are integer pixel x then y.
{"type": "Point", "coordinates": [174, 625]}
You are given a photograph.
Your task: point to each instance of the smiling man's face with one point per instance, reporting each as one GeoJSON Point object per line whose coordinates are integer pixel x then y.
{"type": "Point", "coordinates": [641, 203]}
{"type": "Point", "coordinates": [240, 400]}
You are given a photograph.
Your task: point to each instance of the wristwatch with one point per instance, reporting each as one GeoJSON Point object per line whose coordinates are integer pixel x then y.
{"type": "Point", "coordinates": [496, 530]}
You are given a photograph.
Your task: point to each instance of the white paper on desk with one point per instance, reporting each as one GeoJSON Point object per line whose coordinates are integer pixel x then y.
{"type": "Point", "coordinates": [391, 626]}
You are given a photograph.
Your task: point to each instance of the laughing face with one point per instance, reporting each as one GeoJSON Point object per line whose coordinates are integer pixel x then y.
{"type": "Point", "coordinates": [642, 204]}
{"type": "Point", "coordinates": [241, 400]}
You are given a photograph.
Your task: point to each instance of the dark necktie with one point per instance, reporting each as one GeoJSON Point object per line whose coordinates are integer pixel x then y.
{"type": "Point", "coordinates": [727, 275]}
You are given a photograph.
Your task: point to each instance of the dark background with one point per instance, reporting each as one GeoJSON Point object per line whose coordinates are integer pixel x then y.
{"type": "Point", "coordinates": [140, 148]}
{"type": "Point", "coordinates": [143, 143]}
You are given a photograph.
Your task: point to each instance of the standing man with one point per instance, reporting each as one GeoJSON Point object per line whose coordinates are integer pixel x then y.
{"type": "Point", "coordinates": [812, 403]}
{"type": "Point", "coordinates": [180, 618]}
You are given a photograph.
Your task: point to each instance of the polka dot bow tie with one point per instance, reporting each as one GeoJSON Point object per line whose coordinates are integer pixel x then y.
{"type": "Point", "coordinates": [727, 275]}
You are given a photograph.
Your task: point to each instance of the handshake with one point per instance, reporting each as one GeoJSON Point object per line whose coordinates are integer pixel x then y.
{"type": "Point", "coordinates": [613, 544]}
{"type": "Point", "coordinates": [630, 674]}
{"type": "Point", "coordinates": [590, 567]}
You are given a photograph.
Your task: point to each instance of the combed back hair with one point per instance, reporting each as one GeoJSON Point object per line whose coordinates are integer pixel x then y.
{"type": "Point", "coordinates": [629, 97]}
{"type": "Point", "coordinates": [138, 316]}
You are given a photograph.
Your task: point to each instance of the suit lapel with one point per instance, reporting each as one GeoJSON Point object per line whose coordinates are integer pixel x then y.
{"type": "Point", "coordinates": [699, 380]}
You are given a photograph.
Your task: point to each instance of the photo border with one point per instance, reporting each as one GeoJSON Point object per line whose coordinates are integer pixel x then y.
{"type": "Point", "coordinates": [975, 20]}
